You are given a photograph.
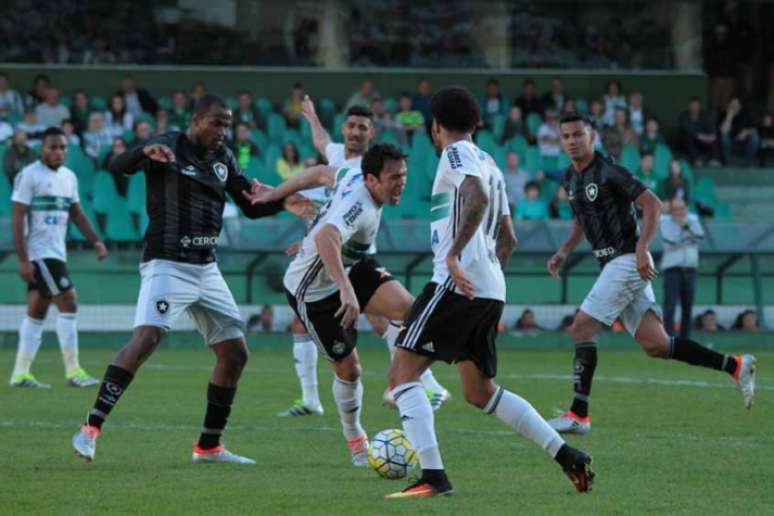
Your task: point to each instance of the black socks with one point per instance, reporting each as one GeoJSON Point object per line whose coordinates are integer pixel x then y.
{"type": "Point", "coordinates": [113, 385]}
{"type": "Point", "coordinates": [691, 352]}
{"type": "Point", "coordinates": [585, 363]}
{"type": "Point", "coordinates": [219, 400]}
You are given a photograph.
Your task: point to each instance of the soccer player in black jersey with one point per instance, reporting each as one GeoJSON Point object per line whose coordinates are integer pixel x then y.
{"type": "Point", "coordinates": [603, 195]}
{"type": "Point", "coordinates": [188, 175]}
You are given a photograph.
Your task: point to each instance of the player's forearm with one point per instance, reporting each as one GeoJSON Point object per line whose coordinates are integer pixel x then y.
{"type": "Point", "coordinates": [328, 242]}
{"type": "Point", "coordinates": [506, 241]}
{"type": "Point", "coordinates": [573, 239]}
{"type": "Point", "coordinates": [474, 205]}
{"type": "Point", "coordinates": [127, 162]}
{"type": "Point", "coordinates": [651, 215]}
{"type": "Point", "coordinates": [320, 136]}
{"type": "Point", "coordinates": [312, 177]}
{"type": "Point", "coordinates": [84, 225]}
{"type": "Point", "coordinates": [256, 211]}
{"type": "Point", "coordinates": [17, 228]}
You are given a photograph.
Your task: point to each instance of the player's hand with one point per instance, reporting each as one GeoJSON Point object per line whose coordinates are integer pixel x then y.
{"type": "Point", "coordinates": [293, 248]}
{"type": "Point", "coordinates": [259, 193]}
{"type": "Point", "coordinates": [159, 152]}
{"type": "Point", "coordinates": [301, 206]}
{"type": "Point", "coordinates": [101, 250]}
{"type": "Point", "coordinates": [27, 271]}
{"type": "Point", "coordinates": [459, 278]}
{"type": "Point", "coordinates": [554, 264]}
{"type": "Point", "coordinates": [307, 109]}
{"type": "Point", "coordinates": [645, 265]}
{"type": "Point", "coordinates": [349, 309]}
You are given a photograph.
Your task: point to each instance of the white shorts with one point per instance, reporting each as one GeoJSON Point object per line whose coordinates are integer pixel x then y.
{"type": "Point", "coordinates": [170, 287]}
{"type": "Point", "coordinates": [621, 292]}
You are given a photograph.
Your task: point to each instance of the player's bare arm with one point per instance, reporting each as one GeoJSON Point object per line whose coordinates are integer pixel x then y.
{"type": "Point", "coordinates": [320, 136]}
{"type": "Point", "coordinates": [83, 223]}
{"type": "Point", "coordinates": [18, 216]}
{"type": "Point", "coordinates": [328, 242]}
{"type": "Point", "coordinates": [312, 177]}
{"type": "Point", "coordinates": [506, 241]}
{"type": "Point", "coordinates": [475, 203]}
{"type": "Point", "coordinates": [573, 239]}
{"type": "Point", "coordinates": [651, 215]}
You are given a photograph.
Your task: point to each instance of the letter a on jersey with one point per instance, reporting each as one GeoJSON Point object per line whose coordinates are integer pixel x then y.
{"type": "Point", "coordinates": [591, 192]}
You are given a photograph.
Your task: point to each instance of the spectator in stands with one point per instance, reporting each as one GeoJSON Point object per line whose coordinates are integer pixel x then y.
{"type": "Point", "coordinates": [117, 147]}
{"type": "Point", "coordinates": [549, 137]}
{"type": "Point", "coordinates": [11, 103]}
{"type": "Point", "coordinates": [646, 174]}
{"type": "Point", "coordinates": [383, 121]}
{"type": "Point", "coordinates": [555, 97]}
{"type": "Point", "coordinates": [681, 233]}
{"type": "Point", "coordinates": [80, 111]}
{"type": "Point", "coordinates": [421, 100]}
{"type": "Point", "coordinates": [263, 322]}
{"type": "Point", "coordinates": [492, 103]}
{"type": "Point", "coordinates": [117, 119]}
{"type": "Point", "coordinates": [292, 108]}
{"type": "Point", "coordinates": [738, 133]}
{"type": "Point", "coordinates": [597, 114]}
{"type": "Point", "coordinates": [652, 137]}
{"type": "Point", "coordinates": [246, 111]}
{"type": "Point", "coordinates": [528, 101]}
{"type": "Point", "coordinates": [526, 321]}
{"type": "Point", "coordinates": [613, 99]}
{"type": "Point", "coordinates": [559, 207]}
{"type": "Point", "coordinates": [408, 119]}
{"type": "Point", "coordinates": [40, 85]}
{"type": "Point", "coordinates": [620, 134]}
{"type": "Point", "coordinates": [766, 134]}
{"type": "Point", "coordinates": [708, 321]}
{"type": "Point", "coordinates": [137, 100]}
{"type": "Point", "coordinates": [516, 178]}
{"type": "Point", "coordinates": [99, 53]}
{"type": "Point", "coordinates": [566, 324]}
{"type": "Point", "coordinates": [197, 92]}
{"type": "Point", "coordinates": [569, 106]}
{"type": "Point", "coordinates": [290, 162]}
{"type": "Point", "coordinates": [142, 132]}
{"type": "Point", "coordinates": [675, 186]}
{"type": "Point", "coordinates": [244, 148]}
{"type": "Point", "coordinates": [637, 113]}
{"type": "Point", "coordinates": [697, 135]}
{"type": "Point", "coordinates": [514, 125]}
{"type": "Point", "coordinates": [18, 155]}
{"type": "Point", "coordinates": [162, 122]}
{"type": "Point", "coordinates": [97, 138]}
{"type": "Point", "coordinates": [51, 112]}
{"type": "Point", "coordinates": [362, 97]}
{"type": "Point", "coordinates": [31, 127]}
{"type": "Point", "coordinates": [180, 115]}
{"type": "Point", "coordinates": [746, 321]}
{"type": "Point", "coordinates": [6, 131]}
{"type": "Point", "coordinates": [531, 207]}
{"type": "Point", "coordinates": [69, 130]}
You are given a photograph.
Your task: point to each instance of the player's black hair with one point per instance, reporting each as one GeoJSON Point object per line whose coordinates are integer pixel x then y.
{"type": "Point", "coordinates": [574, 116]}
{"type": "Point", "coordinates": [455, 109]}
{"type": "Point", "coordinates": [530, 185]}
{"type": "Point", "coordinates": [646, 153]}
{"type": "Point", "coordinates": [204, 104]}
{"type": "Point", "coordinates": [360, 111]}
{"type": "Point", "coordinates": [52, 131]}
{"type": "Point", "coordinates": [374, 158]}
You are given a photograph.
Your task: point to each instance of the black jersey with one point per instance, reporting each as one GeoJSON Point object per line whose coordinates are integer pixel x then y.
{"type": "Point", "coordinates": [185, 199]}
{"type": "Point", "coordinates": [601, 197]}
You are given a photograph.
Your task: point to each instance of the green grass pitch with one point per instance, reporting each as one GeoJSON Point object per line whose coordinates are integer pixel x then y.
{"type": "Point", "coordinates": [667, 439]}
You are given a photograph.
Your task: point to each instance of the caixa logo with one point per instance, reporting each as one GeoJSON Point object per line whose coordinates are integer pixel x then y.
{"type": "Point", "coordinates": [55, 220]}
{"type": "Point", "coordinates": [199, 241]}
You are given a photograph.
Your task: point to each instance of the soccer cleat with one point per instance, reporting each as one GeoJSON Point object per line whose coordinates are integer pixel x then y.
{"type": "Point", "coordinates": [745, 378]}
{"type": "Point", "coordinates": [577, 466]}
{"type": "Point", "coordinates": [218, 454]}
{"type": "Point", "coordinates": [423, 488]}
{"type": "Point", "coordinates": [85, 442]}
{"type": "Point", "coordinates": [437, 398]}
{"type": "Point", "coordinates": [299, 409]}
{"type": "Point", "coordinates": [79, 378]}
{"type": "Point", "coordinates": [570, 423]}
{"type": "Point", "coordinates": [359, 449]}
{"type": "Point", "coordinates": [388, 400]}
{"type": "Point", "coordinates": [27, 380]}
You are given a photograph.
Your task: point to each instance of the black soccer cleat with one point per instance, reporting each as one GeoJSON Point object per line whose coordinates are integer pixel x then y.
{"type": "Point", "coordinates": [426, 487]}
{"type": "Point", "coordinates": [577, 466]}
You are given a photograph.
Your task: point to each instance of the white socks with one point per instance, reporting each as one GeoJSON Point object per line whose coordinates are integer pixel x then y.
{"type": "Point", "coordinates": [305, 357]}
{"type": "Point", "coordinates": [30, 337]}
{"type": "Point", "coordinates": [517, 413]}
{"type": "Point", "coordinates": [67, 333]}
{"type": "Point", "coordinates": [418, 423]}
{"type": "Point", "coordinates": [349, 401]}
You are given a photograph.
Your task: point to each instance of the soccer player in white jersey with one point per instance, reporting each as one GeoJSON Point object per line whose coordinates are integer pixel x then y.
{"type": "Point", "coordinates": [45, 198]}
{"type": "Point", "coordinates": [358, 131]}
{"type": "Point", "coordinates": [455, 318]}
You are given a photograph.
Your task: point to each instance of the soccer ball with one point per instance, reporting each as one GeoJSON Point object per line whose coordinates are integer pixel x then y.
{"type": "Point", "coordinates": [390, 453]}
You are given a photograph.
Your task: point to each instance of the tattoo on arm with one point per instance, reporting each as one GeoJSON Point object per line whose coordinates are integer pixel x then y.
{"type": "Point", "coordinates": [506, 241]}
{"type": "Point", "coordinates": [474, 205]}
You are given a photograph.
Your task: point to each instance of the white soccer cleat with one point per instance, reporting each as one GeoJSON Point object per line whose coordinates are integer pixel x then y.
{"type": "Point", "coordinates": [80, 378]}
{"type": "Point", "coordinates": [359, 449]}
{"type": "Point", "coordinates": [299, 409]}
{"type": "Point", "coordinates": [27, 380]}
{"type": "Point", "coordinates": [218, 454]}
{"type": "Point", "coordinates": [569, 423]}
{"type": "Point", "coordinates": [745, 378]}
{"type": "Point", "coordinates": [388, 400]}
{"type": "Point", "coordinates": [438, 398]}
{"type": "Point", "coordinates": [85, 442]}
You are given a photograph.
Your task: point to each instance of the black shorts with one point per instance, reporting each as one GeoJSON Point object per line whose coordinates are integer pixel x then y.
{"type": "Point", "coordinates": [319, 317]}
{"type": "Point", "coordinates": [450, 327]}
{"type": "Point", "coordinates": [51, 277]}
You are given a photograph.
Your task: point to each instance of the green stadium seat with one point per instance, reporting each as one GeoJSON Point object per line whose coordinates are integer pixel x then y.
{"type": "Point", "coordinates": [486, 140]}
{"type": "Point", "coordinates": [563, 161]}
{"type": "Point", "coordinates": [104, 193]}
{"type": "Point", "coordinates": [687, 171]}
{"type": "Point", "coordinates": [519, 145]}
{"type": "Point", "coordinates": [533, 161]}
{"type": "Point", "coordinates": [391, 104]}
{"type": "Point", "coordinates": [338, 120]}
{"type": "Point", "coordinates": [255, 169]}
{"type": "Point", "coordinates": [307, 150]}
{"type": "Point", "coordinates": [534, 121]}
{"type": "Point", "coordinates": [723, 211]}
{"type": "Point", "coordinates": [128, 136]}
{"type": "Point", "coordinates": [293, 136]}
{"type": "Point", "coordinates": [582, 105]}
{"type": "Point", "coordinates": [389, 137]}
{"type": "Point", "coordinates": [550, 163]}
{"type": "Point", "coordinates": [326, 111]}
{"type": "Point", "coordinates": [661, 158]}
{"type": "Point", "coordinates": [232, 102]}
{"type": "Point", "coordinates": [630, 158]}
{"type": "Point", "coordinates": [136, 194]}
{"type": "Point", "coordinates": [259, 138]}
{"type": "Point", "coordinates": [498, 126]}
{"type": "Point", "coordinates": [73, 233]}
{"type": "Point", "coordinates": [98, 103]}
{"type": "Point", "coordinates": [120, 226]}
{"type": "Point", "coordinates": [264, 105]}
{"type": "Point", "coordinates": [165, 103]}
{"type": "Point", "coordinates": [144, 221]}
{"type": "Point", "coordinates": [5, 196]}
{"type": "Point", "coordinates": [704, 191]}
{"type": "Point", "coordinates": [276, 127]}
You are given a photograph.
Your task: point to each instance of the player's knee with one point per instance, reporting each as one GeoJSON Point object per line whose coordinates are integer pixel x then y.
{"type": "Point", "coordinates": [655, 349]}
{"type": "Point", "coordinates": [349, 372]}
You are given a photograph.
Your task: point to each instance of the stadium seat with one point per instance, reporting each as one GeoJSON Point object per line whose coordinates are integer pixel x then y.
{"type": "Point", "coordinates": [232, 102]}
{"type": "Point", "coordinates": [259, 138]}
{"type": "Point", "coordinates": [165, 103]}
{"type": "Point", "coordinates": [73, 233]}
{"type": "Point", "coordinates": [661, 158]}
{"type": "Point", "coordinates": [704, 191]}
{"type": "Point", "coordinates": [389, 137]}
{"type": "Point", "coordinates": [5, 196]}
{"type": "Point", "coordinates": [630, 158]}
{"type": "Point", "coordinates": [276, 127]}
{"type": "Point", "coordinates": [104, 193]}
{"type": "Point", "coordinates": [255, 169]}
{"type": "Point", "coordinates": [391, 105]}
{"type": "Point", "coordinates": [562, 161]}
{"type": "Point", "coordinates": [534, 121]}
{"type": "Point", "coordinates": [533, 161]}
{"type": "Point", "coordinates": [486, 140]}
{"type": "Point", "coordinates": [519, 145]}
{"type": "Point", "coordinates": [264, 106]}
{"type": "Point", "coordinates": [98, 103]}
{"type": "Point", "coordinates": [582, 105]}
{"type": "Point", "coordinates": [136, 194]}
{"type": "Point", "coordinates": [120, 227]}
{"type": "Point", "coordinates": [498, 126]}
{"type": "Point", "coordinates": [337, 121]}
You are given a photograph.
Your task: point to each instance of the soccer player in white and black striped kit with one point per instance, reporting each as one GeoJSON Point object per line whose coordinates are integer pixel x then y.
{"type": "Point", "coordinates": [603, 196]}
{"type": "Point", "coordinates": [188, 175]}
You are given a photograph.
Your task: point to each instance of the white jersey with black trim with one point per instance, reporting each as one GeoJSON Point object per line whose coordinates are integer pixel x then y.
{"type": "Point", "coordinates": [336, 154]}
{"type": "Point", "coordinates": [352, 210]}
{"type": "Point", "coordinates": [49, 194]}
{"type": "Point", "coordinates": [478, 258]}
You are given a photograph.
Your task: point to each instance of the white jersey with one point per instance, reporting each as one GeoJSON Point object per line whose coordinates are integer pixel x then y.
{"type": "Point", "coordinates": [49, 195]}
{"type": "Point", "coordinates": [354, 212]}
{"type": "Point", "coordinates": [336, 154]}
{"type": "Point", "coordinates": [478, 258]}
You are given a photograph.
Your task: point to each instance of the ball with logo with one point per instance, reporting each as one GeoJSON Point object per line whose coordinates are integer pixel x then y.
{"type": "Point", "coordinates": [391, 454]}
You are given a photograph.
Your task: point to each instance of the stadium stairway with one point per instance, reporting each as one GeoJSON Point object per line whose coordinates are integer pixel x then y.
{"type": "Point", "coordinates": [748, 191]}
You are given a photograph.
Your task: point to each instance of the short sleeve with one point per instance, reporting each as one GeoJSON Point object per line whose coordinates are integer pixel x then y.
{"type": "Point", "coordinates": [76, 196]}
{"type": "Point", "coordinates": [349, 217]}
{"type": "Point", "coordinates": [505, 209]}
{"type": "Point", "coordinates": [457, 162]}
{"type": "Point", "coordinates": [625, 182]}
{"type": "Point", "coordinates": [334, 153]}
{"type": "Point", "coordinates": [23, 188]}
